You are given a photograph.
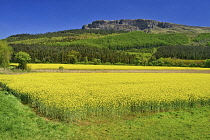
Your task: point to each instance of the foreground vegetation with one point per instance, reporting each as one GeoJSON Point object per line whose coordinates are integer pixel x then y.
{"type": "Point", "coordinates": [18, 121]}
{"type": "Point", "coordinates": [78, 96]}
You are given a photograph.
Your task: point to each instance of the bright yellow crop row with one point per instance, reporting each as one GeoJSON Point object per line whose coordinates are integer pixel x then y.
{"type": "Point", "coordinates": [106, 67]}
{"type": "Point", "coordinates": [83, 94]}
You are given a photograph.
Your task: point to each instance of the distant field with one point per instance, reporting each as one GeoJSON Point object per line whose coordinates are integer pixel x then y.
{"type": "Point", "coordinates": [107, 67]}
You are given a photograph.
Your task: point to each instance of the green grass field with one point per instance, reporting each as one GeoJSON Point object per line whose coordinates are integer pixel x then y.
{"type": "Point", "coordinates": [18, 121]}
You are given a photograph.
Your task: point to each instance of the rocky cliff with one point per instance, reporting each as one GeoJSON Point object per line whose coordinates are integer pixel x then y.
{"type": "Point", "coordinates": [144, 25]}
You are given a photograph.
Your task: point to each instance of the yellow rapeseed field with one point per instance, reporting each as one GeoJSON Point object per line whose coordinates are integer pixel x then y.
{"type": "Point", "coordinates": [107, 67]}
{"type": "Point", "coordinates": [70, 96]}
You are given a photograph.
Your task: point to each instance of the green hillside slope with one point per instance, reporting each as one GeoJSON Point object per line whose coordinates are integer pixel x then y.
{"type": "Point", "coordinates": [112, 47]}
{"type": "Point", "coordinates": [118, 41]}
{"type": "Point", "coordinates": [66, 33]}
{"type": "Point", "coordinates": [135, 39]}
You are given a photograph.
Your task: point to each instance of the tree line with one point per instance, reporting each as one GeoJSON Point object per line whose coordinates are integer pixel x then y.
{"type": "Point", "coordinates": [65, 33]}
{"type": "Point", "coordinates": [48, 54]}
{"type": "Point", "coordinates": [86, 55]}
{"type": "Point", "coordinates": [184, 52]}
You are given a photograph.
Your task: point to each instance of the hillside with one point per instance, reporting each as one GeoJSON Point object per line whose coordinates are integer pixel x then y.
{"type": "Point", "coordinates": [112, 41]}
{"type": "Point", "coordinates": [110, 47]}
{"type": "Point", "coordinates": [136, 39]}
{"type": "Point", "coordinates": [145, 25]}
{"type": "Point", "coordinates": [99, 43]}
{"type": "Point", "coordinates": [66, 33]}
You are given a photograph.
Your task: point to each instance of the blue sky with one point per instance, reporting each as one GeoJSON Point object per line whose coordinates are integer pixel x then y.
{"type": "Point", "coordinates": [41, 16]}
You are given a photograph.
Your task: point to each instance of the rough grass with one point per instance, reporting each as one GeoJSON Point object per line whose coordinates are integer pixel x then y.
{"type": "Point", "coordinates": [18, 121]}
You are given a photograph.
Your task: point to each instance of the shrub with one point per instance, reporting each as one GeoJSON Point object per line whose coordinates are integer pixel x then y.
{"type": "Point", "coordinates": [207, 63]}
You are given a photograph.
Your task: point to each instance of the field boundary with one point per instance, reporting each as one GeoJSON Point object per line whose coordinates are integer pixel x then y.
{"type": "Point", "coordinates": [121, 71]}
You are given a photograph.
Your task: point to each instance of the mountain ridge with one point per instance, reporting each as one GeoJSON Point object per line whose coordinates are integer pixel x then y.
{"type": "Point", "coordinates": [145, 25]}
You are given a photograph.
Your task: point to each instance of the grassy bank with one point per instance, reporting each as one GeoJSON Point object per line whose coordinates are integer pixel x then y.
{"type": "Point", "coordinates": [18, 121]}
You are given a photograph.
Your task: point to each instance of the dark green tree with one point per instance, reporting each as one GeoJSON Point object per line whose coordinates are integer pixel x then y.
{"type": "Point", "coordinates": [137, 61]}
{"type": "Point", "coordinates": [73, 56]}
{"type": "Point", "coordinates": [86, 60]}
{"type": "Point", "coordinates": [5, 54]}
{"type": "Point", "coordinates": [160, 62]}
{"type": "Point", "coordinates": [22, 58]}
{"type": "Point", "coordinates": [96, 61]}
{"type": "Point", "coordinates": [207, 63]}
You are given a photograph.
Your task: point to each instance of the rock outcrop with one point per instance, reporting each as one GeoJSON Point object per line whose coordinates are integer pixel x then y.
{"type": "Point", "coordinates": [144, 25]}
{"type": "Point", "coordinates": [128, 24]}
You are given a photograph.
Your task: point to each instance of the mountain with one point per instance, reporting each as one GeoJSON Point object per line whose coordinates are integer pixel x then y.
{"type": "Point", "coordinates": [145, 25]}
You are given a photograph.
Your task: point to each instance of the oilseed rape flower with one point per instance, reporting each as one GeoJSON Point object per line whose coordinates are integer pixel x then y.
{"type": "Point", "coordinates": [70, 96]}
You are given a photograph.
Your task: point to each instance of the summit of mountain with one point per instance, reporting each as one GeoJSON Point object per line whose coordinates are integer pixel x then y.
{"type": "Point", "coordinates": [145, 25]}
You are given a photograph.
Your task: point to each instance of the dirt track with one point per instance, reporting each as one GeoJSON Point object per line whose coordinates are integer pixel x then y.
{"type": "Point", "coordinates": [117, 71]}
{"type": "Point", "coordinates": [125, 71]}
